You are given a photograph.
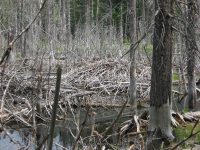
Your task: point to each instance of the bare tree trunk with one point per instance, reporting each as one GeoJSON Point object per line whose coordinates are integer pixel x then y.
{"type": "Point", "coordinates": [126, 24]}
{"type": "Point", "coordinates": [97, 12]}
{"type": "Point", "coordinates": [110, 26]}
{"type": "Point", "coordinates": [87, 22]}
{"type": "Point", "coordinates": [132, 28]}
{"type": "Point", "coordinates": [121, 24]}
{"type": "Point", "coordinates": [92, 8]}
{"type": "Point", "coordinates": [50, 13]}
{"type": "Point", "coordinates": [192, 48]}
{"type": "Point", "coordinates": [20, 25]}
{"type": "Point", "coordinates": [68, 22]}
{"type": "Point", "coordinates": [121, 30]}
{"type": "Point", "coordinates": [44, 20]}
{"type": "Point", "coordinates": [143, 17]}
{"type": "Point", "coordinates": [161, 79]}
{"type": "Point", "coordinates": [63, 20]}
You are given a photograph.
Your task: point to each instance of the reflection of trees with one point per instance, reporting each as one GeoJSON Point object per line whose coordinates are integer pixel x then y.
{"type": "Point", "coordinates": [41, 133]}
{"type": "Point", "coordinates": [63, 137]}
{"type": "Point", "coordinates": [25, 135]}
{"type": "Point", "coordinates": [24, 138]}
{"type": "Point", "coordinates": [13, 136]}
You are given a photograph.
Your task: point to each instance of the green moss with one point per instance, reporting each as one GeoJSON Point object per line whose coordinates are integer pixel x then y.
{"type": "Point", "coordinates": [198, 138]}
{"type": "Point", "coordinates": [59, 49]}
{"type": "Point", "coordinates": [127, 42]}
{"type": "Point", "coordinates": [18, 55]}
{"type": "Point", "coordinates": [175, 76]}
{"type": "Point", "coordinates": [184, 132]}
{"type": "Point", "coordinates": [186, 109]}
{"type": "Point", "coordinates": [43, 44]}
{"type": "Point", "coordinates": [149, 48]}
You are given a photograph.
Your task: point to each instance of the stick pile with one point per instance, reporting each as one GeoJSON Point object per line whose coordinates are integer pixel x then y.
{"type": "Point", "coordinates": [99, 83]}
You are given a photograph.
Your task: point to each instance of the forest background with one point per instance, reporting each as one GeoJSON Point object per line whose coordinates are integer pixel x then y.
{"type": "Point", "coordinates": [106, 48]}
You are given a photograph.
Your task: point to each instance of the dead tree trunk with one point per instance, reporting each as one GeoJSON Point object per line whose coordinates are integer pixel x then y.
{"type": "Point", "coordinates": [192, 48]}
{"type": "Point", "coordinates": [132, 28]}
{"type": "Point", "coordinates": [87, 22]}
{"type": "Point", "coordinates": [161, 79]}
{"type": "Point", "coordinates": [68, 21]}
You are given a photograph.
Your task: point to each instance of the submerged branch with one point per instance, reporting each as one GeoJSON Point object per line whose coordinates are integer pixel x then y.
{"type": "Point", "coordinates": [81, 130]}
{"type": "Point", "coordinates": [114, 122]}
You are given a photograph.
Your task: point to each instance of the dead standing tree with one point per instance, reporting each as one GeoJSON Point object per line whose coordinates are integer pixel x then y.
{"type": "Point", "coordinates": [191, 46]}
{"type": "Point", "coordinates": [132, 28]}
{"type": "Point", "coordinates": [161, 79]}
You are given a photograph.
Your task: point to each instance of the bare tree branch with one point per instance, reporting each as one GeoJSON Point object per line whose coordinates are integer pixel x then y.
{"type": "Point", "coordinates": [136, 44]}
{"type": "Point", "coordinates": [10, 45]}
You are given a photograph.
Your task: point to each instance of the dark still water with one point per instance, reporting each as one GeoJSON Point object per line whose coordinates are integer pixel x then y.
{"type": "Point", "coordinates": [14, 138]}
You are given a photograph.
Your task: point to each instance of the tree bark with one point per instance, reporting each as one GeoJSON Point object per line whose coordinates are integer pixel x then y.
{"type": "Point", "coordinates": [110, 19]}
{"type": "Point", "coordinates": [121, 25]}
{"type": "Point", "coordinates": [97, 12]}
{"type": "Point", "coordinates": [44, 20]}
{"type": "Point", "coordinates": [68, 24]}
{"type": "Point", "coordinates": [63, 26]}
{"type": "Point", "coordinates": [132, 28]}
{"type": "Point", "coordinates": [120, 32]}
{"type": "Point", "coordinates": [192, 48]}
{"type": "Point", "coordinates": [161, 79]}
{"type": "Point", "coordinates": [87, 21]}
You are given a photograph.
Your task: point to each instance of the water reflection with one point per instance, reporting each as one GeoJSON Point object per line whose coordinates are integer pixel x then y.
{"type": "Point", "coordinates": [65, 132]}
{"type": "Point", "coordinates": [15, 139]}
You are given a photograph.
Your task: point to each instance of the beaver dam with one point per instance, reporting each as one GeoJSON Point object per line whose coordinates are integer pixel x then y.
{"type": "Point", "coordinates": [92, 108]}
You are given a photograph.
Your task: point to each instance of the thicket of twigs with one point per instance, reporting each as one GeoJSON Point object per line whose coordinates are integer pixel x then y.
{"type": "Point", "coordinates": [95, 83]}
{"type": "Point", "coordinates": [28, 89]}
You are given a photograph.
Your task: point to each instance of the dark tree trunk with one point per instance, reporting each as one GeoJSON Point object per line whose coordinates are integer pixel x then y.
{"type": "Point", "coordinates": [110, 20]}
{"type": "Point", "coordinates": [121, 25]}
{"type": "Point", "coordinates": [191, 47]}
{"type": "Point", "coordinates": [97, 12]}
{"type": "Point", "coordinates": [132, 31]}
{"type": "Point", "coordinates": [87, 22]}
{"type": "Point", "coordinates": [44, 21]}
{"type": "Point", "coordinates": [161, 79]}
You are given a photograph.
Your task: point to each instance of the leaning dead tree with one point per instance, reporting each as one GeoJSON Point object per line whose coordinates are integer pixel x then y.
{"type": "Point", "coordinates": [9, 50]}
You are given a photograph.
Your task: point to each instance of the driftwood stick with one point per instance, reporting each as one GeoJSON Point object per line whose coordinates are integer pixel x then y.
{"type": "Point", "coordinates": [5, 91]}
{"type": "Point", "coordinates": [56, 98]}
{"type": "Point", "coordinates": [7, 87]}
{"type": "Point", "coordinates": [114, 122]}
{"type": "Point", "coordinates": [18, 117]}
{"type": "Point", "coordinates": [80, 131]}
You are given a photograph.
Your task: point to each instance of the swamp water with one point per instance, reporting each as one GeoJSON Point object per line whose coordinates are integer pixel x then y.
{"type": "Point", "coordinates": [17, 138]}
